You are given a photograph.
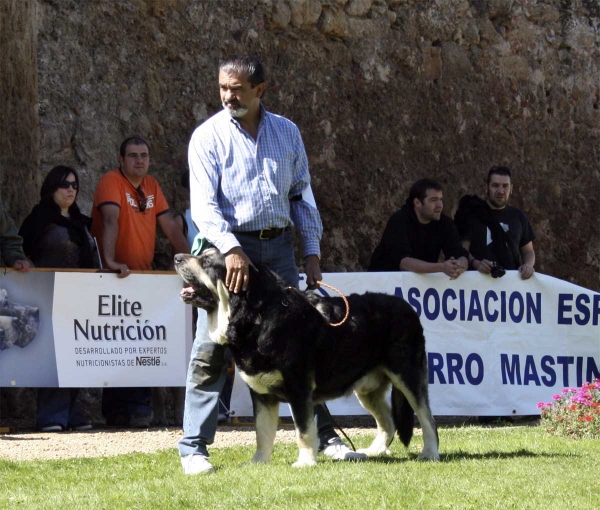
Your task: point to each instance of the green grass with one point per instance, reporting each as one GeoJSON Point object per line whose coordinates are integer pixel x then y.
{"type": "Point", "coordinates": [508, 467]}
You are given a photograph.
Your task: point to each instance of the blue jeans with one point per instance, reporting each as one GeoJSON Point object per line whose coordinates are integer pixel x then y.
{"type": "Point", "coordinates": [207, 370]}
{"type": "Point", "coordinates": [58, 406]}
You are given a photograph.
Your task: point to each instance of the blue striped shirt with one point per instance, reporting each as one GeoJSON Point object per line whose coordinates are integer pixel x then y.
{"type": "Point", "coordinates": [238, 184]}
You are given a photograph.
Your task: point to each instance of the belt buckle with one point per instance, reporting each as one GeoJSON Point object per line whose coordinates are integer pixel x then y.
{"type": "Point", "coordinates": [260, 236]}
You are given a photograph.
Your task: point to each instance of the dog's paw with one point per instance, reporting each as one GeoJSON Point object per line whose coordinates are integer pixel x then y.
{"type": "Point", "coordinates": [253, 463]}
{"type": "Point", "coordinates": [429, 456]}
{"type": "Point", "coordinates": [304, 463]}
{"type": "Point", "coordinates": [260, 459]}
{"type": "Point", "coordinates": [375, 452]}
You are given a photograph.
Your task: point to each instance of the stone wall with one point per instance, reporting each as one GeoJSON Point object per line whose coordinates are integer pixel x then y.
{"type": "Point", "coordinates": [19, 126]}
{"type": "Point", "coordinates": [384, 92]}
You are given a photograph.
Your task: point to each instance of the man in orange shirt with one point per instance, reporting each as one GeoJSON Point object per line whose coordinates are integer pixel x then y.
{"type": "Point", "coordinates": [127, 205]}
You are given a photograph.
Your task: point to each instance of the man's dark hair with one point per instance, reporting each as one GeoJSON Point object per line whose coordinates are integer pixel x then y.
{"type": "Point", "coordinates": [244, 65]}
{"type": "Point", "coordinates": [499, 170]}
{"type": "Point", "coordinates": [419, 190]}
{"type": "Point", "coordinates": [132, 140]}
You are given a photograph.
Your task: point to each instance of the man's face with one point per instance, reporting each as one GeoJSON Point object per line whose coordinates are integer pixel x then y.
{"type": "Point", "coordinates": [499, 190]}
{"type": "Point", "coordinates": [237, 95]}
{"type": "Point", "coordinates": [136, 161]}
{"type": "Point", "coordinates": [431, 207]}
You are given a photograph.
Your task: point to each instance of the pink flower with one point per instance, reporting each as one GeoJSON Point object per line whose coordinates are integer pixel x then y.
{"type": "Point", "coordinates": [540, 405]}
{"type": "Point", "coordinates": [556, 397]}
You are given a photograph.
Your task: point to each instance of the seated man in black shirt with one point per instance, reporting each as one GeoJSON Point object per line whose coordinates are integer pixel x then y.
{"type": "Point", "coordinates": [495, 233]}
{"type": "Point", "coordinates": [417, 233]}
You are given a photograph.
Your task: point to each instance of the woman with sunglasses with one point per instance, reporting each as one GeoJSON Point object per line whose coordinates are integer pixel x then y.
{"type": "Point", "coordinates": [56, 235]}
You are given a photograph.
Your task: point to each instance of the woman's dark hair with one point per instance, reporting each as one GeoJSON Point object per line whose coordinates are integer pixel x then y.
{"type": "Point", "coordinates": [419, 190]}
{"type": "Point", "coordinates": [50, 185]}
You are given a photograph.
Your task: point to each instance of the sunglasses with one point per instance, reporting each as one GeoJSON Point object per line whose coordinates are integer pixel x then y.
{"type": "Point", "coordinates": [142, 202]}
{"type": "Point", "coordinates": [68, 184]}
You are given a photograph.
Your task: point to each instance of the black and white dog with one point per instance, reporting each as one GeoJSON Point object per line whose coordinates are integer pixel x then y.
{"type": "Point", "coordinates": [287, 351]}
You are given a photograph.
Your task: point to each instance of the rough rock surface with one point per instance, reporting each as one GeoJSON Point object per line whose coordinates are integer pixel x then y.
{"type": "Point", "coordinates": [19, 127]}
{"type": "Point", "coordinates": [384, 92]}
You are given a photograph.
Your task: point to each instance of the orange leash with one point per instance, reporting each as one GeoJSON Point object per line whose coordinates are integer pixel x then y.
{"type": "Point", "coordinates": [345, 302]}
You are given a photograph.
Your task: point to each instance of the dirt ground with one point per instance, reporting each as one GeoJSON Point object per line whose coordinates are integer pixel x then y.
{"type": "Point", "coordinates": [27, 444]}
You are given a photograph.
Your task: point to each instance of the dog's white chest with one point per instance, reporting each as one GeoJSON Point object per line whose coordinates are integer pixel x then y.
{"type": "Point", "coordinates": [263, 383]}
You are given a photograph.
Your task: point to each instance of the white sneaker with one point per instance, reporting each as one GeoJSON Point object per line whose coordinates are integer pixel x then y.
{"type": "Point", "coordinates": [52, 428]}
{"type": "Point", "coordinates": [196, 464]}
{"type": "Point", "coordinates": [336, 449]}
{"type": "Point", "coordinates": [82, 428]}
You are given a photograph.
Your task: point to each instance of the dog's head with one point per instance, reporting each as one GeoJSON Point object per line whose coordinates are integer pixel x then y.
{"type": "Point", "coordinates": [204, 276]}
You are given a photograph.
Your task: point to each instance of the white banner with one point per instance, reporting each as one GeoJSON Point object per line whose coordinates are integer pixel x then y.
{"type": "Point", "coordinates": [119, 332]}
{"type": "Point", "coordinates": [71, 329]}
{"type": "Point", "coordinates": [495, 346]}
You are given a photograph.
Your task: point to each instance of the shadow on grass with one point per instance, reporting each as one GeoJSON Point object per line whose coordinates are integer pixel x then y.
{"type": "Point", "coordinates": [450, 457]}
{"type": "Point", "coordinates": [494, 455]}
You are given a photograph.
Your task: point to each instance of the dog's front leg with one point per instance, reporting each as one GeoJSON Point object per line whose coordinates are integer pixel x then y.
{"type": "Point", "coordinates": [306, 432]}
{"type": "Point", "coordinates": [266, 410]}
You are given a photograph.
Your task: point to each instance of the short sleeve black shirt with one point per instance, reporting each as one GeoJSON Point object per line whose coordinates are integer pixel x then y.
{"type": "Point", "coordinates": [406, 236]}
{"type": "Point", "coordinates": [514, 222]}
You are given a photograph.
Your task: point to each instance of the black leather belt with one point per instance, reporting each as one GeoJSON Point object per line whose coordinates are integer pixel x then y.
{"type": "Point", "coordinates": [266, 234]}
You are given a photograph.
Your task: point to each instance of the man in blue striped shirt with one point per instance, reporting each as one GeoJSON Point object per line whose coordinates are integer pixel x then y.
{"type": "Point", "coordinates": [249, 184]}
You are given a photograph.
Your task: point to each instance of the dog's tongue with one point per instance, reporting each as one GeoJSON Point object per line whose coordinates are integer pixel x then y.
{"type": "Point", "coordinates": [187, 291]}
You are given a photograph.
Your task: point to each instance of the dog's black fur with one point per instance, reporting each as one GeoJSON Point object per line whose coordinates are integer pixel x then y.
{"type": "Point", "coordinates": [287, 351]}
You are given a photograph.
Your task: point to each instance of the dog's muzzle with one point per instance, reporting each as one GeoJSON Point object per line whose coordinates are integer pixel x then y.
{"type": "Point", "coordinates": [200, 297]}
{"type": "Point", "coordinates": [195, 293]}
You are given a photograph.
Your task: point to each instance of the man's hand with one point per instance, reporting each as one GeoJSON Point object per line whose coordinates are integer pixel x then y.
{"type": "Point", "coordinates": [483, 266]}
{"type": "Point", "coordinates": [313, 271]}
{"type": "Point", "coordinates": [453, 268]}
{"type": "Point", "coordinates": [124, 271]}
{"type": "Point", "coordinates": [238, 270]}
{"type": "Point", "coordinates": [526, 271]}
{"type": "Point", "coordinates": [21, 265]}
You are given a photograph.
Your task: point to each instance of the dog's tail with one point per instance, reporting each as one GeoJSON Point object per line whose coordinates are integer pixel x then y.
{"type": "Point", "coordinates": [404, 416]}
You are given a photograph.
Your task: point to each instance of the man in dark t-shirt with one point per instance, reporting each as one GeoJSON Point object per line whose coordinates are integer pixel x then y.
{"type": "Point", "coordinates": [416, 235]}
{"type": "Point", "coordinates": [493, 231]}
